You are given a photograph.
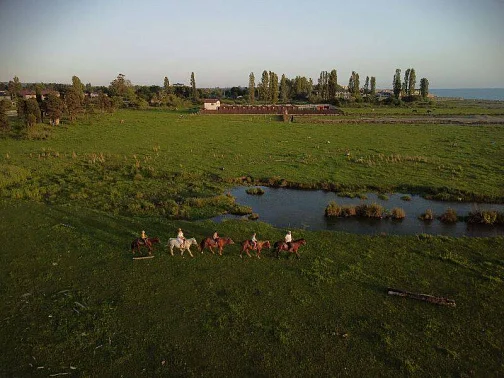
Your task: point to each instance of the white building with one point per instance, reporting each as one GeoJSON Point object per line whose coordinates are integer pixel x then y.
{"type": "Point", "coordinates": [211, 104]}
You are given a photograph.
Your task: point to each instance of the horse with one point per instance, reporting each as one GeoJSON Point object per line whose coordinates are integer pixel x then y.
{"type": "Point", "coordinates": [294, 246]}
{"type": "Point", "coordinates": [174, 243]}
{"type": "Point", "coordinates": [138, 242]}
{"type": "Point", "coordinates": [247, 244]}
{"type": "Point", "coordinates": [210, 243]}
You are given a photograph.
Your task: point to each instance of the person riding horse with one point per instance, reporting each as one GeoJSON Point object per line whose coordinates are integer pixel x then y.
{"type": "Point", "coordinates": [180, 238]}
{"type": "Point", "coordinates": [254, 241]}
{"type": "Point", "coordinates": [215, 237]}
{"type": "Point", "coordinates": [288, 240]}
{"type": "Point", "coordinates": [144, 237]}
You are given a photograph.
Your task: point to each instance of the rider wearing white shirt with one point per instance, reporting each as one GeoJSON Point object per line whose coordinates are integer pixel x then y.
{"type": "Point", "coordinates": [180, 237]}
{"type": "Point", "coordinates": [288, 239]}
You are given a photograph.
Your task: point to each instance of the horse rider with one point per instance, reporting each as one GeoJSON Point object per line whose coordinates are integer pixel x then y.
{"type": "Point", "coordinates": [288, 240]}
{"type": "Point", "coordinates": [180, 238]}
{"type": "Point", "coordinates": [215, 237]}
{"type": "Point", "coordinates": [254, 241]}
{"type": "Point", "coordinates": [144, 238]}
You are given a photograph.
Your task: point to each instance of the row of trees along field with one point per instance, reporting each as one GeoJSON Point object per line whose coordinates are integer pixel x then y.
{"type": "Point", "coordinates": [77, 98]}
{"type": "Point", "coordinates": [327, 89]}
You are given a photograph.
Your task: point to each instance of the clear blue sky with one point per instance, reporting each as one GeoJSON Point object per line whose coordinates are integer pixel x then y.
{"type": "Point", "coordinates": [453, 43]}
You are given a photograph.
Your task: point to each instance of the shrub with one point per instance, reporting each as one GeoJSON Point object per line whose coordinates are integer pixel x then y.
{"type": "Point", "coordinates": [348, 211]}
{"type": "Point", "coordinates": [397, 213]}
{"type": "Point", "coordinates": [255, 191]}
{"type": "Point", "coordinates": [333, 210]}
{"type": "Point", "coordinates": [406, 197]}
{"type": "Point", "coordinates": [253, 216]}
{"type": "Point", "coordinates": [427, 216]}
{"type": "Point", "coordinates": [489, 217]}
{"type": "Point", "coordinates": [449, 216]}
{"type": "Point", "coordinates": [383, 197]}
{"type": "Point", "coordinates": [370, 211]}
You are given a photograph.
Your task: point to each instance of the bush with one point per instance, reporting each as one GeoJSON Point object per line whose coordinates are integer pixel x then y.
{"type": "Point", "coordinates": [370, 211]}
{"type": "Point", "coordinates": [489, 217]}
{"type": "Point", "coordinates": [255, 191]}
{"type": "Point", "coordinates": [406, 197]}
{"type": "Point", "coordinates": [383, 197]}
{"type": "Point", "coordinates": [398, 213]}
{"type": "Point", "coordinates": [427, 216]}
{"type": "Point", "coordinates": [333, 210]}
{"type": "Point", "coordinates": [449, 216]}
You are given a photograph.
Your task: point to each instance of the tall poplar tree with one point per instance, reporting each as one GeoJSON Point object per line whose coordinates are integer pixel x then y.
{"type": "Point", "coordinates": [284, 89]}
{"type": "Point", "coordinates": [372, 91]}
{"type": "Point", "coordinates": [396, 84]}
{"type": "Point", "coordinates": [405, 87]}
{"type": "Point", "coordinates": [166, 86]}
{"type": "Point", "coordinates": [14, 87]}
{"type": "Point", "coordinates": [354, 85]}
{"type": "Point", "coordinates": [264, 94]}
{"type": "Point", "coordinates": [273, 85]}
{"type": "Point", "coordinates": [366, 86]}
{"type": "Point", "coordinates": [424, 87]}
{"type": "Point", "coordinates": [251, 88]}
{"type": "Point", "coordinates": [78, 87]}
{"type": "Point", "coordinates": [412, 82]}
{"type": "Point", "coordinates": [332, 84]}
{"type": "Point", "coordinates": [194, 91]}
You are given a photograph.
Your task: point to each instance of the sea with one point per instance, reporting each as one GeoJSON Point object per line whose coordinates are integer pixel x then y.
{"type": "Point", "coordinates": [470, 93]}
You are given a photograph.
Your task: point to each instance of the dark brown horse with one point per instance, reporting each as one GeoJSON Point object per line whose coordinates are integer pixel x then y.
{"type": "Point", "coordinates": [291, 247]}
{"type": "Point", "coordinates": [139, 242]}
{"type": "Point", "coordinates": [247, 244]}
{"type": "Point", "coordinates": [210, 243]}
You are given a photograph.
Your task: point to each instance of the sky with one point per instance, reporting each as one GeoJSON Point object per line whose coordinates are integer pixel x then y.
{"type": "Point", "coordinates": [452, 43]}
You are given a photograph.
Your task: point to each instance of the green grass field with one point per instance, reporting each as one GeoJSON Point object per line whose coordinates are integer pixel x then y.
{"type": "Point", "coordinates": [73, 301]}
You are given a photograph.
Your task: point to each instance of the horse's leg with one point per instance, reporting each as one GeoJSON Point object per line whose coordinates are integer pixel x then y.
{"type": "Point", "coordinates": [258, 254]}
{"type": "Point", "coordinates": [296, 252]}
{"type": "Point", "coordinates": [189, 250]}
{"type": "Point", "coordinates": [171, 250]}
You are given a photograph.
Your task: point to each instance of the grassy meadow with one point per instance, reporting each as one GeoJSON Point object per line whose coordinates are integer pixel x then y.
{"type": "Point", "coordinates": [73, 302]}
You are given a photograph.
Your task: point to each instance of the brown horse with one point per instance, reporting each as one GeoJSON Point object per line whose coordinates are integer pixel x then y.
{"type": "Point", "coordinates": [247, 244]}
{"type": "Point", "coordinates": [293, 248]}
{"type": "Point", "coordinates": [210, 243]}
{"type": "Point", "coordinates": [138, 242]}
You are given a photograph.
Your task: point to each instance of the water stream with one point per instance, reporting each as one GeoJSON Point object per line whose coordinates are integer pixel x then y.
{"type": "Point", "coordinates": [291, 208]}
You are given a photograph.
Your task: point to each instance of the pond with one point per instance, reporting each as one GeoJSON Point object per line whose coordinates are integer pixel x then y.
{"type": "Point", "coordinates": [291, 208]}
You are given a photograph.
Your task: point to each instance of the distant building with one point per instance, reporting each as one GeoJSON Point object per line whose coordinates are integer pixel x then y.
{"type": "Point", "coordinates": [211, 104]}
{"type": "Point", "coordinates": [28, 93]}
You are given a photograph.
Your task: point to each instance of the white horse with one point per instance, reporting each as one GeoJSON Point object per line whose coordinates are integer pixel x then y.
{"type": "Point", "coordinates": [174, 243]}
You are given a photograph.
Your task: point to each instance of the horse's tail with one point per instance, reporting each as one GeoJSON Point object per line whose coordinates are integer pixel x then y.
{"type": "Point", "coordinates": [202, 244]}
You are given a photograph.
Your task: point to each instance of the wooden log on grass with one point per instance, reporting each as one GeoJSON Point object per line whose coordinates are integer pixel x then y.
{"type": "Point", "coordinates": [422, 297]}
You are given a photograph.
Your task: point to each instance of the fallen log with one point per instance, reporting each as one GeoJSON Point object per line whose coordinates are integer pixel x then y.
{"type": "Point", "coordinates": [143, 257]}
{"type": "Point", "coordinates": [422, 297]}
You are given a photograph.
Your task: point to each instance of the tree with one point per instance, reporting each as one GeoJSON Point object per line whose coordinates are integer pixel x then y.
{"type": "Point", "coordinates": [251, 88]}
{"type": "Point", "coordinates": [424, 87]}
{"type": "Point", "coordinates": [405, 90]}
{"type": "Point", "coordinates": [332, 84]}
{"type": "Point", "coordinates": [31, 111]}
{"type": "Point", "coordinates": [54, 108]}
{"type": "Point", "coordinates": [354, 85]}
{"type": "Point", "coordinates": [14, 87]}
{"type": "Point", "coordinates": [396, 84]}
{"type": "Point", "coordinates": [4, 119]}
{"type": "Point", "coordinates": [284, 89]}
{"type": "Point", "coordinates": [372, 91]}
{"type": "Point", "coordinates": [366, 86]}
{"type": "Point", "coordinates": [194, 92]}
{"type": "Point", "coordinates": [166, 86]}
{"type": "Point", "coordinates": [273, 82]}
{"type": "Point", "coordinates": [412, 82]}
{"type": "Point", "coordinates": [264, 88]}
{"type": "Point", "coordinates": [73, 103]}
{"type": "Point", "coordinates": [121, 87]}
{"type": "Point", "coordinates": [78, 87]}
{"type": "Point", "coordinates": [323, 85]}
